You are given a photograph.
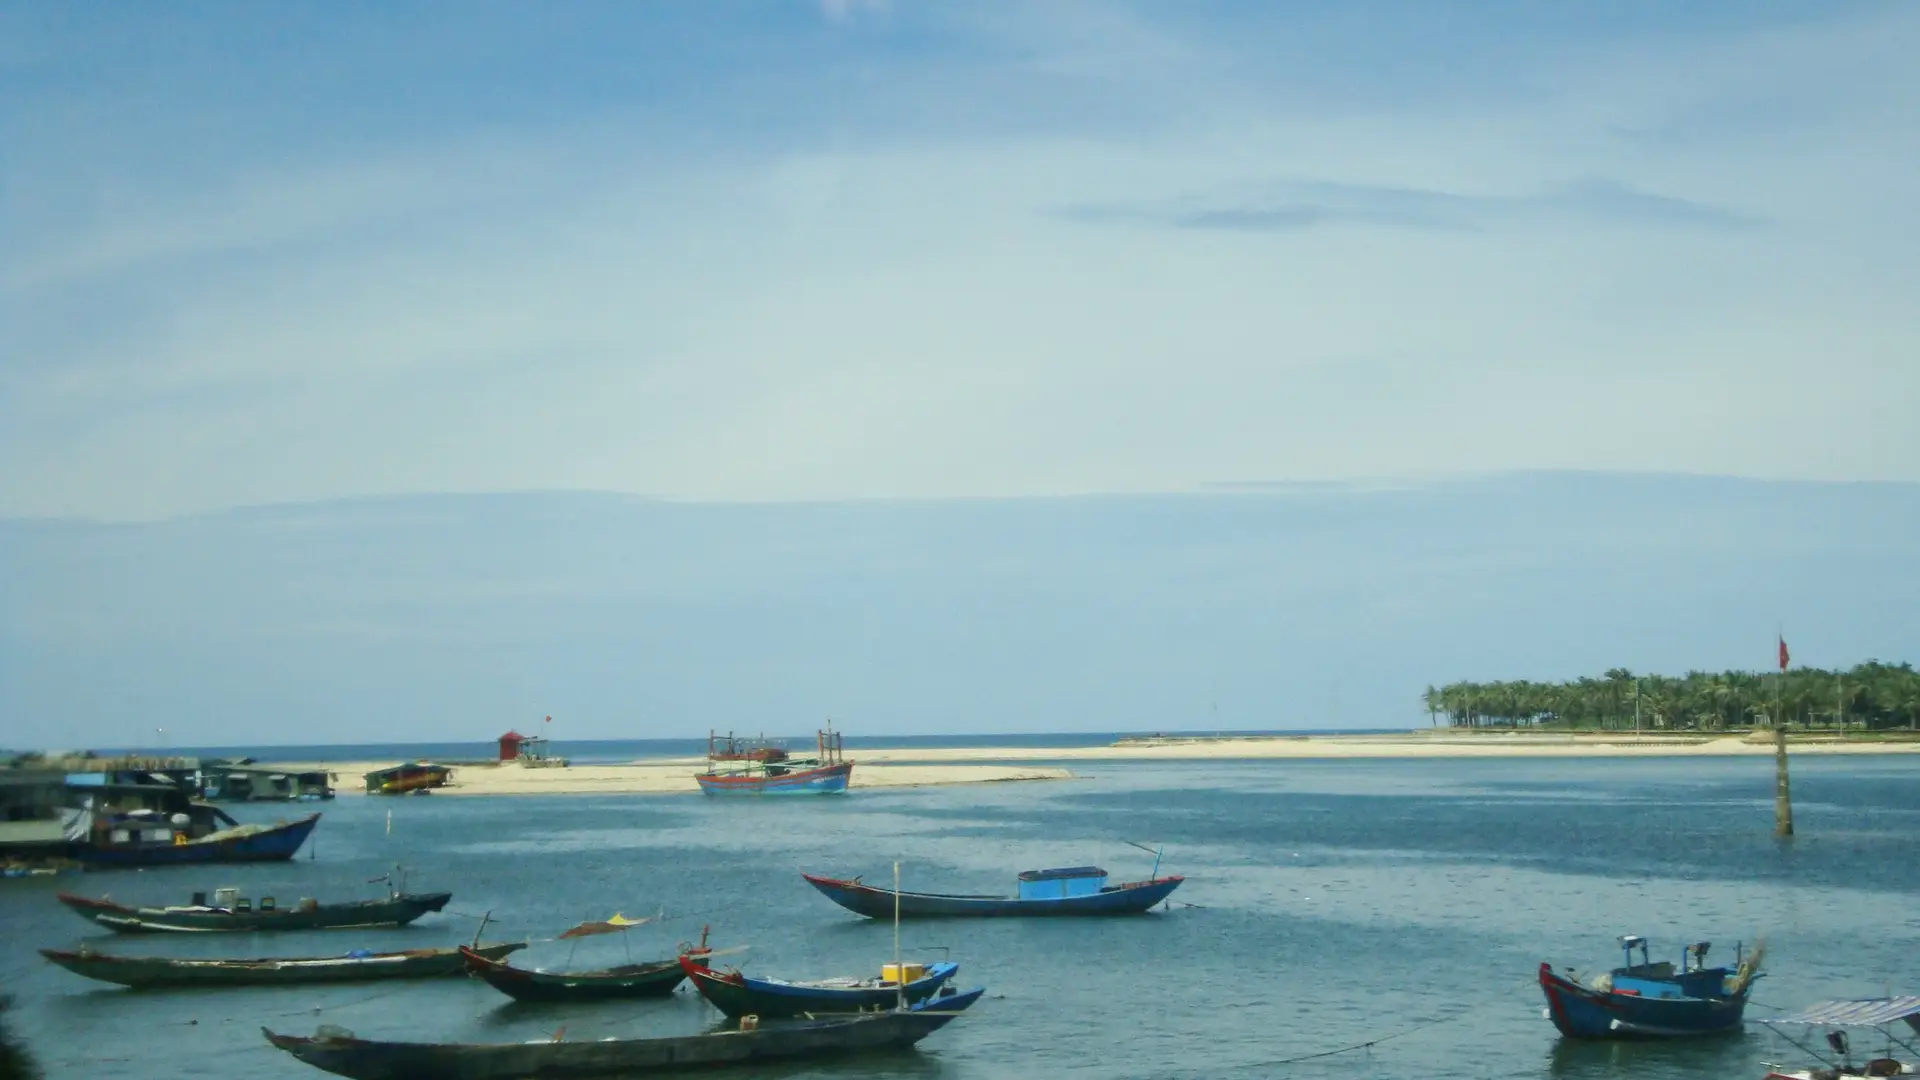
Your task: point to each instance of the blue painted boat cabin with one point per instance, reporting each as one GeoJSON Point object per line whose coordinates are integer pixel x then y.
{"type": "Point", "coordinates": [1649, 980]}
{"type": "Point", "coordinates": [1063, 882]}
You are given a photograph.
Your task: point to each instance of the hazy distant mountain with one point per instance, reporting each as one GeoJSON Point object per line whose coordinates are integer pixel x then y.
{"type": "Point", "coordinates": [450, 617]}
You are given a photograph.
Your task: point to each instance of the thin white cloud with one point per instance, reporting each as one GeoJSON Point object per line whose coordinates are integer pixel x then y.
{"type": "Point", "coordinates": [889, 312]}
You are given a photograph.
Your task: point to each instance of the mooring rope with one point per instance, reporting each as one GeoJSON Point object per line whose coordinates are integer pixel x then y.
{"type": "Point", "coordinates": [1446, 1018]}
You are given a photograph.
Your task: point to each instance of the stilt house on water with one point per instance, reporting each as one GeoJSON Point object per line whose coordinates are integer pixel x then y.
{"type": "Point", "coordinates": [246, 782]}
{"type": "Point", "coordinates": [113, 814]}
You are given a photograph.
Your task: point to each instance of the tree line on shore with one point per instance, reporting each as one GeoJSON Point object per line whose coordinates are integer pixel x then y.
{"type": "Point", "coordinates": [1872, 696]}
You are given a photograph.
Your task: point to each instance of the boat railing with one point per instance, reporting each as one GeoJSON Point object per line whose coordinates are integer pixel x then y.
{"type": "Point", "coordinates": [828, 746]}
{"type": "Point", "coordinates": [731, 747]}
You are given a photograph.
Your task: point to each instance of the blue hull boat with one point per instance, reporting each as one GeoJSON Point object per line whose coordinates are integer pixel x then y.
{"type": "Point", "coordinates": [1648, 1000]}
{"type": "Point", "coordinates": [243, 844]}
{"type": "Point", "coordinates": [1074, 891]}
{"type": "Point", "coordinates": [741, 995]}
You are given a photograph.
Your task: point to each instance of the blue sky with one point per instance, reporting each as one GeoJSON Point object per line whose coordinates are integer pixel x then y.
{"type": "Point", "coordinates": [454, 617]}
{"type": "Point", "coordinates": [964, 366]}
{"type": "Point", "coordinates": [706, 251]}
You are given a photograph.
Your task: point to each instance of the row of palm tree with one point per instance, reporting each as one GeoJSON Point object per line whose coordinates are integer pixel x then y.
{"type": "Point", "coordinates": [1872, 696]}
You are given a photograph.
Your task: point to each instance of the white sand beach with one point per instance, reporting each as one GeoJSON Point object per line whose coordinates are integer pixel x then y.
{"type": "Point", "coordinates": [918, 767]}
{"type": "Point", "coordinates": [1418, 744]}
{"type": "Point", "coordinates": [662, 776]}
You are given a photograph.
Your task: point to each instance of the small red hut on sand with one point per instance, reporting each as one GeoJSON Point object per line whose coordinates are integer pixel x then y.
{"type": "Point", "coordinates": [510, 745]}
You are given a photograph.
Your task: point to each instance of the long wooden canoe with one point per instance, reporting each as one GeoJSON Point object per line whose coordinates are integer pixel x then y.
{"type": "Point", "coordinates": [142, 972]}
{"type": "Point", "coordinates": [1132, 898]}
{"type": "Point", "coordinates": [393, 911]}
{"type": "Point", "coordinates": [342, 1054]}
{"type": "Point", "coordinates": [741, 995]}
{"type": "Point", "coordinates": [627, 981]}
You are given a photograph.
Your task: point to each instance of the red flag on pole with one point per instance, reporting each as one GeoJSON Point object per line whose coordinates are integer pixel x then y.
{"type": "Point", "coordinates": [1783, 654]}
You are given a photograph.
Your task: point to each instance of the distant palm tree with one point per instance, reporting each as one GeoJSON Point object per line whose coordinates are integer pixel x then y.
{"type": "Point", "coordinates": [1875, 696]}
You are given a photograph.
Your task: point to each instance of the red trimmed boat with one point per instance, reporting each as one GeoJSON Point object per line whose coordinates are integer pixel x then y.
{"type": "Point", "coordinates": [741, 767]}
{"type": "Point", "coordinates": [1651, 1000]}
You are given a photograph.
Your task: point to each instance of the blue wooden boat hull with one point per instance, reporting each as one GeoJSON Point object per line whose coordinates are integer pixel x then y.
{"type": "Point", "coordinates": [828, 780]}
{"type": "Point", "coordinates": [739, 995]}
{"type": "Point", "coordinates": [268, 845]}
{"type": "Point", "coordinates": [1130, 899]}
{"type": "Point", "coordinates": [1581, 1012]}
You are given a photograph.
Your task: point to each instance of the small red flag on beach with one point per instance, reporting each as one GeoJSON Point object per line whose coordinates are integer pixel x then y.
{"type": "Point", "coordinates": [1783, 654]}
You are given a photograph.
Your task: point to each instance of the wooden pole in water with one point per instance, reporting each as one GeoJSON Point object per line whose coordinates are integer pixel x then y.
{"type": "Point", "coordinates": [899, 973]}
{"type": "Point", "coordinates": [1782, 795]}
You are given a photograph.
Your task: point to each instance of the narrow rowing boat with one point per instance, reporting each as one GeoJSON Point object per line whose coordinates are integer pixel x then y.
{"type": "Point", "coordinates": [340, 1053]}
{"type": "Point", "coordinates": [741, 995]}
{"type": "Point", "coordinates": [200, 917]}
{"type": "Point", "coordinates": [142, 972]}
{"type": "Point", "coordinates": [1080, 890]}
{"type": "Point", "coordinates": [656, 979]}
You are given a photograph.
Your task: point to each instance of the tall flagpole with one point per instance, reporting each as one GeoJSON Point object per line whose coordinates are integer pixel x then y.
{"type": "Point", "coordinates": [1782, 797]}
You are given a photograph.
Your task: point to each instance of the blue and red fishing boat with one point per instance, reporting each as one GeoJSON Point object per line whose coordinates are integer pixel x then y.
{"type": "Point", "coordinates": [737, 766]}
{"type": "Point", "coordinates": [1649, 1000]}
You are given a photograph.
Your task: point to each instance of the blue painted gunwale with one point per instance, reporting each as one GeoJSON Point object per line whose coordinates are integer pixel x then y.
{"type": "Point", "coordinates": [737, 994]}
{"type": "Point", "coordinates": [1132, 898]}
{"type": "Point", "coordinates": [1582, 1012]}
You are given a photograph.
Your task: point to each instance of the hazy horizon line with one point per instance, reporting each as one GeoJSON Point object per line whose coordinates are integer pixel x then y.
{"type": "Point", "coordinates": [489, 740]}
{"type": "Point", "coordinates": [1371, 485]}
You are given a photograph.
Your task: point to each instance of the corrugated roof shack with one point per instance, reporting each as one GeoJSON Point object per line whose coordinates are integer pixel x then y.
{"type": "Point", "coordinates": [263, 783]}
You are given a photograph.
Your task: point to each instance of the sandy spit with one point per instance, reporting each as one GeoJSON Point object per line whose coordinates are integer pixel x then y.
{"type": "Point", "coordinates": [664, 777]}
{"type": "Point", "coordinates": [1412, 745]}
{"type": "Point", "coordinates": [881, 768]}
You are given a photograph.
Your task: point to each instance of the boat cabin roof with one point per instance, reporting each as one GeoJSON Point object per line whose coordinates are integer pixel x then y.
{"type": "Point", "coordinates": [1061, 873]}
{"type": "Point", "coordinates": [409, 767]}
{"type": "Point", "coordinates": [1855, 1012]}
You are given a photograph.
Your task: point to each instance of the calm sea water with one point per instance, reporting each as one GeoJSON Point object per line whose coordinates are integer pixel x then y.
{"type": "Point", "coordinates": [1338, 903]}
